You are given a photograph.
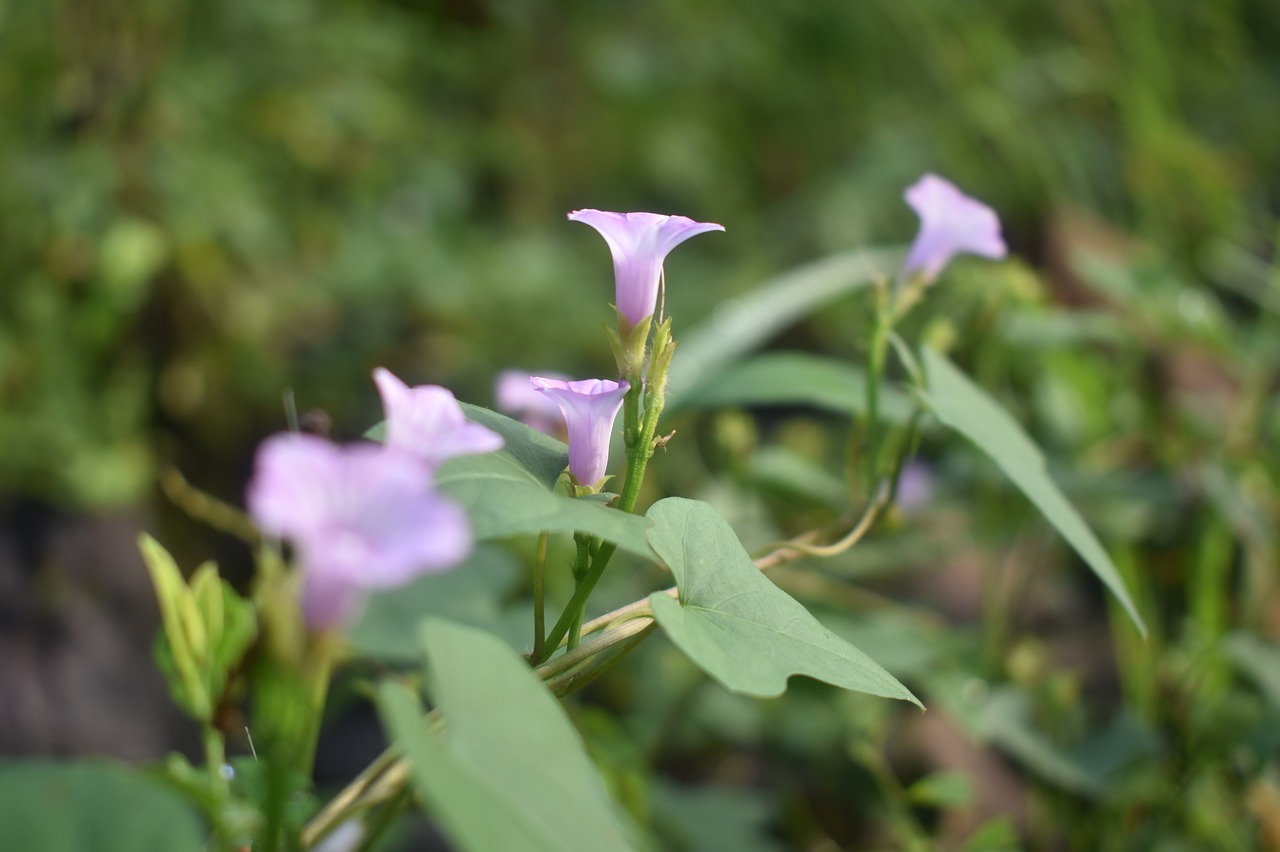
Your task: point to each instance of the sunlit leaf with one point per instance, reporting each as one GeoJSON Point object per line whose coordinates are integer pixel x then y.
{"type": "Point", "coordinates": [968, 409]}
{"type": "Point", "coordinates": [738, 626]}
{"type": "Point", "coordinates": [504, 769]}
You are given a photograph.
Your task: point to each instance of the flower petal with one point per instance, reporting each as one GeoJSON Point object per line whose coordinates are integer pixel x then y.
{"type": "Point", "coordinates": [951, 223]}
{"type": "Point", "coordinates": [640, 243]}
{"type": "Point", "coordinates": [428, 422]}
{"type": "Point", "coordinates": [360, 517]}
{"type": "Point", "coordinates": [590, 408]}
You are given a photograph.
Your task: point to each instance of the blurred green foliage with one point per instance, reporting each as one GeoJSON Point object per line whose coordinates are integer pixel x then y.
{"type": "Point", "coordinates": [202, 204]}
{"type": "Point", "coordinates": [206, 202]}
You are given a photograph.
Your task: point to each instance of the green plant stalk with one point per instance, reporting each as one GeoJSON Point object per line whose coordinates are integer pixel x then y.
{"type": "Point", "coordinates": [638, 455]}
{"type": "Point", "coordinates": [580, 569]}
{"type": "Point", "coordinates": [1137, 656]}
{"type": "Point", "coordinates": [321, 665]}
{"type": "Point", "coordinates": [911, 834]}
{"type": "Point", "coordinates": [579, 677]}
{"type": "Point", "coordinates": [875, 372]}
{"type": "Point", "coordinates": [382, 821]}
{"type": "Point", "coordinates": [539, 596]}
{"type": "Point", "coordinates": [215, 757]}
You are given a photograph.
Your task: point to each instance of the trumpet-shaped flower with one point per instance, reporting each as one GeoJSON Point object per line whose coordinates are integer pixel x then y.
{"type": "Point", "coordinates": [589, 409]}
{"type": "Point", "coordinates": [426, 421]}
{"type": "Point", "coordinates": [514, 394]}
{"type": "Point", "coordinates": [639, 243]}
{"type": "Point", "coordinates": [951, 223]}
{"type": "Point", "coordinates": [360, 517]}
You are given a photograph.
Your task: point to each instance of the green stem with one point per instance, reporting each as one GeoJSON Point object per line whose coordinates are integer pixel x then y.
{"type": "Point", "coordinates": [320, 666]}
{"type": "Point", "coordinates": [581, 568]}
{"type": "Point", "coordinates": [378, 825]}
{"type": "Point", "coordinates": [577, 605]}
{"type": "Point", "coordinates": [539, 596]}
{"type": "Point", "coordinates": [638, 454]}
{"type": "Point", "coordinates": [215, 756]}
{"type": "Point", "coordinates": [579, 677]}
{"type": "Point", "coordinates": [875, 371]}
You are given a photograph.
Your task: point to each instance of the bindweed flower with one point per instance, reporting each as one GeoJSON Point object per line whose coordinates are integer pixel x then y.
{"type": "Point", "coordinates": [589, 409]}
{"type": "Point", "coordinates": [360, 517]}
{"type": "Point", "coordinates": [951, 223]}
{"type": "Point", "coordinates": [427, 422]}
{"type": "Point", "coordinates": [916, 487]}
{"type": "Point", "coordinates": [515, 395]}
{"type": "Point", "coordinates": [639, 243]}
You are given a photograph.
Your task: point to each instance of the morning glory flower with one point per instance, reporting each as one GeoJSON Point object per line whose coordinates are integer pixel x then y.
{"type": "Point", "coordinates": [360, 517]}
{"type": "Point", "coordinates": [427, 422]}
{"type": "Point", "coordinates": [639, 243]}
{"type": "Point", "coordinates": [951, 223]}
{"type": "Point", "coordinates": [515, 395]}
{"type": "Point", "coordinates": [589, 409]}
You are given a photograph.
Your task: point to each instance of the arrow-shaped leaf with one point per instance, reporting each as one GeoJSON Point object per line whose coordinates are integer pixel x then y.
{"type": "Point", "coordinates": [738, 626]}
{"type": "Point", "coordinates": [968, 409]}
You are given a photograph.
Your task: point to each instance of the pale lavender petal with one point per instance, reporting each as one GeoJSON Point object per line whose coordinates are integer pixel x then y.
{"type": "Point", "coordinates": [951, 223]}
{"type": "Point", "coordinates": [515, 395]}
{"type": "Point", "coordinates": [590, 408]}
{"type": "Point", "coordinates": [289, 494]}
{"type": "Point", "coordinates": [916, 487]}
{"type": "Point", "coordinates": [360, 517]}
{"type": "Point", "coordinates": [428, 422]}
{"type": "Point", "coordinates": [640, 243]}
{"type": "Point", "coordinates": [329, 602]}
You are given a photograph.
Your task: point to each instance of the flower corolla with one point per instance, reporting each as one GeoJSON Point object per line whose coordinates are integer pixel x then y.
{"type": "Point", "coordinates": [360, 517]}
{"type": "Point", "coordinates": [427, 421]}
{"type": "Point", "coordinates": [590, 408]}
{"type": "Point", "coordinates": [640, 243]}
{"type": "Point", "coordinates": [514, 394]}
{"type": "Point", "coordinates": [951, 223]}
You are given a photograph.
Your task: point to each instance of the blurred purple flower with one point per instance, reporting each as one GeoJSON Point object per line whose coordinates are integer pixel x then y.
{"type": "Point", "coordinates": [951, 223]}
{"type": "Point", "coordinates": [426, 421]}
{"type": "Point", "coordinates": [360, 517]}
{"type": "Point", "coordinates": [639, 243]}
{"type": "Point", "coordinates": [589, 407]}
{"type": "Point", "coordinates": [515, 395]}
{"type": "Point", "coordinates": [916, 487]}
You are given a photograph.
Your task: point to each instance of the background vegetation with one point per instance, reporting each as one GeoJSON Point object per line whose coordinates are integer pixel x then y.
{"type": "Point", "coordinates": [203, 204]}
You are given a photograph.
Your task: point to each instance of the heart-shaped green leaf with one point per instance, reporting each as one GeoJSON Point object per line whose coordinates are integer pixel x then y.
{"type": "Point", "coordinates": [736, 625]}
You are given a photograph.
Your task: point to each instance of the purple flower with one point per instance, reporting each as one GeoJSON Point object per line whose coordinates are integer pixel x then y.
{"type": "Point", "coordinates": [640, 242]}
{"type": "Point", "coordinates": [515, 395]}
{"type": "Point", "coordinates": [360, 517]}
{"type": "Point", "coordinates": [916, 487]}
{"type": "Point", "coordinates": [951, 223]}
{"type": "Point", "coordinates": [426, 421]}
{"type": "Point", "coordinates": [589, 409]}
